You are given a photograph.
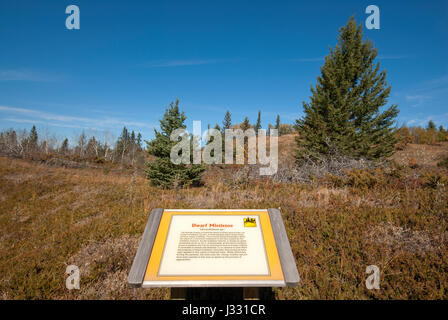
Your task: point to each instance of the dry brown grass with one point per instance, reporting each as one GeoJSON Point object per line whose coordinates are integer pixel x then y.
{"type": "Point", "coordinates": [395, 218]}
{"type": "Point", "coordinates": [422, 154]}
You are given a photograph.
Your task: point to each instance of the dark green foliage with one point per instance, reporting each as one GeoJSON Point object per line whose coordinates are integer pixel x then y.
{"type": "Point", "coordinates": [277, 122]}
{"type": "Point", "coordinates": [139, 141]}
{"type": "Point", "coordinates": [163, 172]}
{"type": "Point", "coordinates": [32, 142]}
{"type": "Point", "coordinates": [344, 113]}
{"type": "Point", "coordinates": [431, 125]}
{"type": "Point", "coordinates": [227, 123]}
{"type": "Point", "coordinates": [258, 124]}
{"type": "Point", "coordinates": [128, 146]}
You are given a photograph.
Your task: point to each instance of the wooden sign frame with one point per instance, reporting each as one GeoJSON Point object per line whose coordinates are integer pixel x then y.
{"type": "Point", "coordinates": [282, 267]}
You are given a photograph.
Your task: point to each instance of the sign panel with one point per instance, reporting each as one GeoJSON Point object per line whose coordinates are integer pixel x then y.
{"type": "Point", "coordinates": [214, 248]}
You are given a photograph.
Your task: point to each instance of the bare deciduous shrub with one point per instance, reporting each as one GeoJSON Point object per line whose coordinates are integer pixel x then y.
{"type": "Point", "coordinates": [306, 171]}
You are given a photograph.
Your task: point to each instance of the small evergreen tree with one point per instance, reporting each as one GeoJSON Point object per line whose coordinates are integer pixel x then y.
{"type": "Point", "coordinates": [132, 138]}
{"type": "Point", "coordinates": [139, 142]}
{"type": "Point", "coordinates": [278, 124]}
{"type": "Point", "coordinates": [163, 172]}
{"type": "Point", "coordinates": [227, 123]}
{"type": "Point", "coordinates": [32, 141]}
{"type": "Point", "coordinates": [258, 124]}
{"type": "Point", "coordinates": [344, 114]}
{"type": "Point", "coordinates": [431, 125]}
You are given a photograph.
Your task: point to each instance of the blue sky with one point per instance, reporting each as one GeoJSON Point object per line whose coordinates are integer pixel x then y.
{"type": "Point", "coordinates": [130, 59]}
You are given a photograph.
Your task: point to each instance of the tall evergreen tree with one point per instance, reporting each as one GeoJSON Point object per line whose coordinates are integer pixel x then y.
{"type": "Point", "coordinates": [344, 112]}
{"type": "Point", "coordinates": [227, 123]}
{"type": "Point", "coordinates": [139, 141]}
{"type": "Point", "coordinates": [277, 124]}
{"type": "Point", "coordinates": [32, 142]}
{"type": "Point", "coordinates": [258, 124]}
{"type": "Point", "coordinates": [163, 172]}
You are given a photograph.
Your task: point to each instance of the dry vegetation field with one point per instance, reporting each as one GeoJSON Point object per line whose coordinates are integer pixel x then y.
{"type": "Point", "coordinates": [395, 217]}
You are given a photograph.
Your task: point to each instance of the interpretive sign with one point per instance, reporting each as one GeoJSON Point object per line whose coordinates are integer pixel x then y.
{"type": "Point", "coordinates": [209, 247]}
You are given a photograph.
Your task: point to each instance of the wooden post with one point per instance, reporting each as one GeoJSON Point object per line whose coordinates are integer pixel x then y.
{"type": "Point", "coordinates": [137, 273]}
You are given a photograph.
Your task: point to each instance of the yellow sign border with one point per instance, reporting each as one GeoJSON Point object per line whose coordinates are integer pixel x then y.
{"type": "Point", "coordinates": [275, 267]}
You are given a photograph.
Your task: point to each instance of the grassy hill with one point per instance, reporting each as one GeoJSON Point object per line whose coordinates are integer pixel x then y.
{"type": "Point", "coordinates": [393, 216]}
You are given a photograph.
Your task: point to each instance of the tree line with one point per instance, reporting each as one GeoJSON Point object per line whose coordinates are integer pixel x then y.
{"type": "Point", "coordinates": [127, 149]}
{"type": "Point", "coordinates": [422, 135]}
{"type": "Point", "coordinates": [23, 144]}
{"type": "Point", "coordinates": [347, 115]}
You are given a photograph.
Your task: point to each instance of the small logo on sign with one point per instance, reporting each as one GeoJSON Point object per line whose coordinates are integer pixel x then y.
{"type": "Point", "coordinates": [250, 222]}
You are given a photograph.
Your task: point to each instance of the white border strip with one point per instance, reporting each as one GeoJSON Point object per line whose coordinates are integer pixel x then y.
{"type": "Point", "coordinates": [211, 210]}
{"type": "Point", "coordinates": [214, 283]}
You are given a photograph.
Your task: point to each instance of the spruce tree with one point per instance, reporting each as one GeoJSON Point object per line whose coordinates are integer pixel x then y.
{"type": "Point", "coordinates": [139, 141]}
{"type": "Point", "coordinates": [431, 125]}
{"type": "Point", "coordinates": [277, 124]}
{"type": "Point", "coordinates": [163, 172]}
{"type": "Point", "coordinates": [227, 123]}
{"type": "Point", "coordinates": [258, 124]}
{"type": "Point", "coordinates": [32, 142]}
{"type": "Point", "coordinates": [344, 113]}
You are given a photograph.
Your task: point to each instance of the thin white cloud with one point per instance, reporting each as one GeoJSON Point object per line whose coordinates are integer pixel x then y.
{"type": "Point", "coordinates": [439, 119]}
{"type": "Point", "coordinates": [417, 100]}
{"type": "Point", "coordinates": [420, 94]}
{"type": "Point", "coordinates": [52, 124]}
{"type": "Point", "coordinates": [69, 121]}
{"type": "Point", "coordinates": [27, 75]}
{"type": "Point", "coordinates": [436, 84]}
{"type": "Point", "coordinates": [182, 63]}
